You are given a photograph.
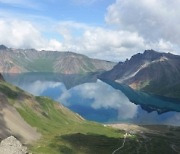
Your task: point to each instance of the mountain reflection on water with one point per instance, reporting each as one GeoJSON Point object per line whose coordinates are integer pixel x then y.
{"type": "Point", "coordinates": [101, 101]}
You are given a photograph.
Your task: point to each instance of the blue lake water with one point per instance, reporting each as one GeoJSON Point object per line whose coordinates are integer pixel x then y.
{"type": "Point", "coordinates": [101, 101]}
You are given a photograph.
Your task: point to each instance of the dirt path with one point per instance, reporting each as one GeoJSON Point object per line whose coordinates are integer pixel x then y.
{"type": "Point", "coordinates": [174, 148]}
{"type": "Point", "coordinates": [124, 141]}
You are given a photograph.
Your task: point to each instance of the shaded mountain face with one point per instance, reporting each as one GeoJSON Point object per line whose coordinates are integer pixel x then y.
{"type": "Point", "coordinates": [2, 47]}
{"type": "Point", "coordinates": [1, 77]}
{"type": "Point", "coordinates": [31, 60]}
{"type": "Point", "coordinates": [152, 72]}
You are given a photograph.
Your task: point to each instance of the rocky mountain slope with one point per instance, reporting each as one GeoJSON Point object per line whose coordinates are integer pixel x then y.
{"type": "Point", "coordinates": [152, 72]}
{"type": "Point", "coordinates": [31, 60]}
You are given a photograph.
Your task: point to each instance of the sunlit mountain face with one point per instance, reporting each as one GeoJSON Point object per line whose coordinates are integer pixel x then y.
{"type": "Point", "coordinates": [31, 60]}
{"type": "Point", "coordinates": [101, 101]}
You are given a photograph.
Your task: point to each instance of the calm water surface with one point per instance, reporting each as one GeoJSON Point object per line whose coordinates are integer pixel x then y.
{"type": "Point", "coordinates": [101, 101]}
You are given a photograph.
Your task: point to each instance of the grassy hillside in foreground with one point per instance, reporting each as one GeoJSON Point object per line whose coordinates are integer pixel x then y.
{"type": "Point", "coordinates": [64, 132]}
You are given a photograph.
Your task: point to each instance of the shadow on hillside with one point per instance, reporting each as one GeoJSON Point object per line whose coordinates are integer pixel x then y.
{"type": "Point", "coordinates": [8, 92]}
{"type": "Point", "coordinates": [90, 143]}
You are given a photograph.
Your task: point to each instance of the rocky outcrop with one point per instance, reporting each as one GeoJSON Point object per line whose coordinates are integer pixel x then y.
{"type": "Point", "coordinates": [11, 145]}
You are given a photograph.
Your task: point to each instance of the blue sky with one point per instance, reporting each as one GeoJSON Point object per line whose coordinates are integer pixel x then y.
{"type": "Point", "coordinates": [76, 10]}
{"type": "Point", "coordinates": [105, 29]}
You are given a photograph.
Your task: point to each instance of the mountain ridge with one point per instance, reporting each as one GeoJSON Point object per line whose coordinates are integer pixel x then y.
{"type": "Point", "coordinates": [151, 71]}
{"type": "Point", "coordinates": [31, 60]}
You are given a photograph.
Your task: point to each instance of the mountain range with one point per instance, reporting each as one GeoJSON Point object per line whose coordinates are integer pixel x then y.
{"type": "Point", "coordinates": [31, 60]}
{"type": "Point", "coordinates": [152, 72]}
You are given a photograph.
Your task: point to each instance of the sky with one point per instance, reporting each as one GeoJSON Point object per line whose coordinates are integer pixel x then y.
{"type": "Point", "coordinates": [105, 29]}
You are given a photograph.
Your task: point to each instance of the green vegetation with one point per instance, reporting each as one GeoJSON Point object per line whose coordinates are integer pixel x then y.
{"type": "Point", "coordinates": [41, 65]}
{"type": "Point", "coordinates": [91, 143]}
{"type": "Point", "coordinates": [163, 83]}
{"type": "Point", "coordinates": [171, 91]}
{"type": "Point", "coordinates": [7, 91]}
{"type": "Point", "coordinates": [55, 122]}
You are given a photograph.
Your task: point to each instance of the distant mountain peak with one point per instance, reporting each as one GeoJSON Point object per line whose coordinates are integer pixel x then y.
{"type": "Point", "coordinates": [149, 55]}
{"type": "Point", "coordinates": [152, 54]}
{"type": "Point", "coordinates": [150, 51]}
{"type": "Point", "coordinates": [3, 47]}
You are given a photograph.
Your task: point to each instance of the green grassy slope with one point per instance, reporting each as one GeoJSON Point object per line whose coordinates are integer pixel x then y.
{"type": "Point", "coordinates": [44, 64]}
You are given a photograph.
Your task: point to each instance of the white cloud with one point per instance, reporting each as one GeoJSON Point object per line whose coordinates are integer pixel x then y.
{"type": "Point", "coordinates": [103, 96]}
{"type": "Point", "coordinates": [24, 34]}
{"type": "Point", "coordinates": [110, 43]}
{"type": "Point", "coordinates": [18, 33]}
{"type": "Point", "coordinates": [64, 98]}
{"type": "Point", "coordinates": [38, 87]}
{"type": "Point", "coordinates": [99, 42]}
{"type": "Point", "coordinates": [163, 45]}
{"type": "Point", "coordinates": [108, 98]}
{"type": "Point", "coordinates": [53, 45]}
{"type": "Point", "coordinates": [152, 19]}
